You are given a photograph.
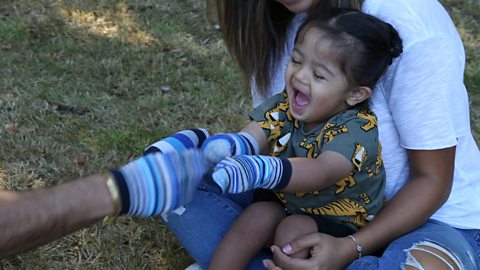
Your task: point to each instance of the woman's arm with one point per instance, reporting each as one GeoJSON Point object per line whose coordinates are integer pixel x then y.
{"type": "Point", "coordinates": [30, 219]}
{"type": "Point", "coordinates": [429, 185]}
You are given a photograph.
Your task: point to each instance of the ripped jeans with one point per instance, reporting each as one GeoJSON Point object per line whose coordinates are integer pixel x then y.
{"type": "Point", "coordinates": [202, 225]}
{"type": "Point", "coordinates": [464, 244]}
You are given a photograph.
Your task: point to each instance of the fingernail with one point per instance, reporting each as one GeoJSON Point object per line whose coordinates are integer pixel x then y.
{"type": "Point", "coordinates": [287, 248]}
{"type": "Point", "coordinates": [264, 262]}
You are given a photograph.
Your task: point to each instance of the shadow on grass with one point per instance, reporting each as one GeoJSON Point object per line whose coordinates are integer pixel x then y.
{"type": "Point", "coordinates": [81, 91]}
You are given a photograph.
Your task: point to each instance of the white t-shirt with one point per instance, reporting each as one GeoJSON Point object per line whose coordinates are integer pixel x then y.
{"type": "Point", "coordinates": [421, 102]}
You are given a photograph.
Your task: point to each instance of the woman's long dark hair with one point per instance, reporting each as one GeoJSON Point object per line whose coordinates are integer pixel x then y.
{"type": "Point", "coordinates": [255, 34]}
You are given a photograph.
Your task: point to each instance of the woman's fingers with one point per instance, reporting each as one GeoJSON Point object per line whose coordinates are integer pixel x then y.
{"type": "Point", "coordinates": [304, 242]}
{"type": "Point", "coordinates": [270, 265]}
{"type": "Point", "coordinates": [285, 262]}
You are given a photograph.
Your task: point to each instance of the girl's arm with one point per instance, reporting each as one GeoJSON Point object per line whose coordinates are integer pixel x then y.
{"type": "Point", "coordinates": [254, 129]}
{"type": "Point", "coordinates": [328, 168]}
{"type": "Point", "coordinates": [310, 174]}
{"type": "Point", "coordinates": [241, 173]}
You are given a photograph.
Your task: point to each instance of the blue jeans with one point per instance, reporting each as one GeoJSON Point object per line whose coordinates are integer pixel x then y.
{"type": "Point", "coordinates": [465, 244]}
{"type": "Point", "coordinates": [208, 217]}
{"type": "Point", "coordinates": [206, 220]}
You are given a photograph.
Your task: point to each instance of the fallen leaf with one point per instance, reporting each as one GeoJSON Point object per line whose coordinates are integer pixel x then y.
{"type": "Point", "coordinates": [12, 128]}
{"type": "Point", "coordinates": [80, 161]}
{"type": "Point", "coordinates": [38, 183]}
{"type": "Point", "coordinates": [6, 47]}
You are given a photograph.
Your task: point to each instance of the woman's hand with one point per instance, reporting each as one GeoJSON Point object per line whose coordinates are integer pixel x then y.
{"type": "Point", "coordinates": [327, 252]}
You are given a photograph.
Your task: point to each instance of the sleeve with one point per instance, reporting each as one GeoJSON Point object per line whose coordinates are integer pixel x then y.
{"type": "Point", "coordinates": [356, 139]}
{"type": "Point", "coordinates": [426, 94]}
{"type": "Point", "coordinates": [273, 116]}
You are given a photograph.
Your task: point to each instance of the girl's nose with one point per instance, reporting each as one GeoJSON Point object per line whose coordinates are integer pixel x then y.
{"type": "Point", "coordinates": [301, 75]}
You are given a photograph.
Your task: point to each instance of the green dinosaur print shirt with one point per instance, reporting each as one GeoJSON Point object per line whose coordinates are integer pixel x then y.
{"type": "Point", "coordinates": [353, 200]}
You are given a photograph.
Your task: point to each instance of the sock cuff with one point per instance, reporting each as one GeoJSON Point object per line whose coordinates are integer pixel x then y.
{"type": "Point", "coordinates": [180, 141]}
{"type": "Point", "coordinates": [286, 174]}
{"type": "Point", "coordinates": [250, 143]}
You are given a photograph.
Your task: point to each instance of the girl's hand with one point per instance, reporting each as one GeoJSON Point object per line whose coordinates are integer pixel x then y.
{"type": "Point", "coordinates": [219, 146]}
{"type": "Point", "coordinates": [327, 252]}
{"type": "Point", "coordinates": [241, 173]}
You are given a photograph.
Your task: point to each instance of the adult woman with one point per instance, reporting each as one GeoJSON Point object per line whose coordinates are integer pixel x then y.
{"type": "Point", "coordinates": [423, 168]}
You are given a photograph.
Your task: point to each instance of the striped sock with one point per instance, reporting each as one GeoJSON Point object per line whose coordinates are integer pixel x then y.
{"type": "Point", "coordinates": [241, 173]}
{"type": "Point", "coordinates": [185, 139]}
{"type": "Point", "coordinates": [158, 183]}
{"type": "Point", "coordinates": [219, 146]}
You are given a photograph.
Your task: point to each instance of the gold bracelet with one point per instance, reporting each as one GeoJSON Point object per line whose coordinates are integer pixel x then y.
{"type": "Point", "coordinates": [115, 194]}
{"type": "Point", "coordinates": [358, 247]}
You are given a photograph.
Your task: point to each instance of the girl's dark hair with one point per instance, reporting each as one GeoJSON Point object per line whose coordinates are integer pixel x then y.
{"type": "Point", "coordinates": [364, 46]}
{"type": "Point", "coordinates": [255, 34]}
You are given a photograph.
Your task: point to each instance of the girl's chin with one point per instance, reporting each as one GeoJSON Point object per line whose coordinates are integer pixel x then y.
{"type": "Point", "coordinates": [297, 111]}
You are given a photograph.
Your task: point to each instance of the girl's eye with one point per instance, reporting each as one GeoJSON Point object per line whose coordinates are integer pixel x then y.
{"type": "Point", "coordinates": [295, 61]}
{"type": "Point", "coordinates": [319, 77]}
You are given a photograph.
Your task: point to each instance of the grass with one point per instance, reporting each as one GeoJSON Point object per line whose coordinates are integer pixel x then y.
{"type": "Point", "coordinates": [81, 90]}
{"type": "Point", "coordinates": [466, 15]}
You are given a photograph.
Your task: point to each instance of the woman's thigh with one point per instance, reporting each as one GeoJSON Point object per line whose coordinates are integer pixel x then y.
{"type": "Point", "coordinates": [473, 237]}
{"type": "Point", "coordinates": [201, 225]}
{"type": "Point", "coordinates": [431, 234]}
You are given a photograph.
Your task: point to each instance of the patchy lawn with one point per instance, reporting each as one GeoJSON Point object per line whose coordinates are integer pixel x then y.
{"type": "Point", "coordinates": [86, 85]}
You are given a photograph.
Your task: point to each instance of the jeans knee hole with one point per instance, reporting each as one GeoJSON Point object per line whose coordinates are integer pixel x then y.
{"type": "Point", "coordinates": [432, 251]}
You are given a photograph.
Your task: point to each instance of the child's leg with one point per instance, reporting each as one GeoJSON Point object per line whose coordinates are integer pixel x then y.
{"type": "Point", "coordinates": [292, 227]}
{"type": "Point", "coordinates": [252, 231]}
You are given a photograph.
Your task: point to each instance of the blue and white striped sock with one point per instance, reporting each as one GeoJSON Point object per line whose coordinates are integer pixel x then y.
{"type": "Point", "coordinates": [158, 183]}
{"type": "Point", "coordinates": [180, 141]}
{"type": "Point", "coordinates": [219, 146]}
{"type": "Point", "coordinates": [241, 173]}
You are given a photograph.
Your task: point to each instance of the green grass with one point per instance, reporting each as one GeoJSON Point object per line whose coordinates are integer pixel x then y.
{"type": "Point", "coordinates": [81, 90]}
{"type": "Point", "coordinates": [466, 15]}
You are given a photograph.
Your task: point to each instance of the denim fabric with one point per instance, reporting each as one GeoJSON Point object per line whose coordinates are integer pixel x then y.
{"type": "Point", "coordinates": [461, 242]}
{"type": "Point", "coordinates": [473, 237]}
{"type": "Point", "coordinates": [206, 220]}
{"type": "Point", "coordinates": [208, 217]}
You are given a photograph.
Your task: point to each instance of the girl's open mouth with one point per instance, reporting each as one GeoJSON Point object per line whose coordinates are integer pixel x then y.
{"type": "Point", "coordinates": [300, 99]}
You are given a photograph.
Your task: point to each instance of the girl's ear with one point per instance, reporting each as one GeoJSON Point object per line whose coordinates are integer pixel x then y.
{"type": "Point", "coordinates": [358, 95]}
